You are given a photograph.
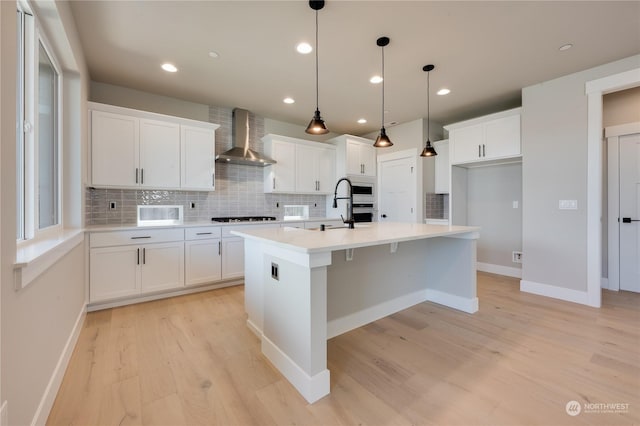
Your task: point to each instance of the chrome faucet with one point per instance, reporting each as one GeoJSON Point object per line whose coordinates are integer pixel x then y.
{"type": "Point", "coordinates": [350, 221]}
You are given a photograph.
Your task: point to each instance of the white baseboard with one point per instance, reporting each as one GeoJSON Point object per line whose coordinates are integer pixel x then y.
{"type": "Point", "coordinates": [464, 304]}
{"type": "Point", "coordinates": [312, 388]}
{"type": "Point", "coordinates": [555, 292]}
{"type": "Point", "coordinates": [499, 269]}
{"type": "Point", "coordinates": [4, 414]}
{"type": "Point", "coordinates": [50, 392]}
{"type": "Point", "coordinates": [254, 329]}
{"type": "Point", "coordinates": [352, 321]}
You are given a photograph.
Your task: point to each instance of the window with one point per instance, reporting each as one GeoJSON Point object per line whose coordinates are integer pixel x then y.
{"type": "Point", "coordinates": [38, 133]}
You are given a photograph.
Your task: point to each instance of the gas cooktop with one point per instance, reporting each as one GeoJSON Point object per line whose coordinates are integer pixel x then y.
{"type": "Point", "coordinates": [243, 219]}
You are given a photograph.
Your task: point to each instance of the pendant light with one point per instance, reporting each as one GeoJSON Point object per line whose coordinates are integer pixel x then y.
{"type": "Point", "coordinates": [382, 141]}
{"type": "Point", "coordinates": [428, 150]}
{"type": "Point", "coordinates": [316, 125]}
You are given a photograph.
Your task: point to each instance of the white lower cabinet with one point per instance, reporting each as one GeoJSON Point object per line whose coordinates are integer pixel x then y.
{"type": "Point", "coordinates": [162, 267]}
{"type": "Point", "coordinates": [114, 272]}
{"type": "Point", "coordinates": [203, 256]}
{"type": "Point", "coordinates": [232, 257]}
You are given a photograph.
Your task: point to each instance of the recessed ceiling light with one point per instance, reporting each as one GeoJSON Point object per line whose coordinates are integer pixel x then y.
{"type": "Point", "coordinates": [362, 121]}
{"type": "Point", "coordinates": [214, 54]}
{"type": "Point", "coordinates": [376, 79]}
{"type": "Point", "coordinates": [565, 47]}
{"type": "Point", "coordinates": [304, 48]}
{"type": "Point", "coordinates": [443, 92]}
{"type": "Point", "coordinates": [288, 100]}
{"type": "Point", "coordinates": [169, 67]}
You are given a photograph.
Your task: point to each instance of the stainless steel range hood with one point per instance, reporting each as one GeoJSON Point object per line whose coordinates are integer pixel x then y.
{"type": "Point", "coordinates": [241, 153]}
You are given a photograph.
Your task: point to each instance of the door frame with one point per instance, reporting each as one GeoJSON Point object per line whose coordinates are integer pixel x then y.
{"type": "Point", "coordinates": [594, 90]}
{"type": "Point", "coordinates": [412, 154]}
{"type": "Point", "coordinates": [612, 137]}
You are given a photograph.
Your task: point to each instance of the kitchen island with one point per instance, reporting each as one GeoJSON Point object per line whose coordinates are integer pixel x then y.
{"type": "Point", "coordinates": [304, 286]}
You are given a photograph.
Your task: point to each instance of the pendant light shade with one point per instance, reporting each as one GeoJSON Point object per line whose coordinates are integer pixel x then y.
{"type": "Point", "coordinates": [316, 125]}
{"type": "Point", "coordinates": [428, 150]}
{"type": "Point", "coordinates": [383, 141]}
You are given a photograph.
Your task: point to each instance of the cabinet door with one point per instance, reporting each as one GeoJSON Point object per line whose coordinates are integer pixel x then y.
{"type": "Point", "coordinates": [203, 261]}
{"type": "Point", "coordinates": [466, 143]}
{"type": "Point", "coordinates": [368, 159]}
{"type": "Point", "coordinates": [159, 154]}
{"type": "Point", "coordinates": [114, 149]}
{"type": "Point", "coordinates": [306, 169]}
{"type": "Point", "coordinates": [354, 164]}
{"type": "Point", "coordinates": [113, 272]}
{"type": "Point", "coordinates": [502, 137]}
{"type": "Point", "coordinates": [281, 176]}
{"type": "Point", "coordinates": [162, 266]}
{"type": "Point", "coordinates": [326, 170]}
{"type": "Point", "coordinates": [232, 258]}
{"type": "Point", "coordinates": [197, 161]}
{"type": "Point", "coordinates": [442, 167]}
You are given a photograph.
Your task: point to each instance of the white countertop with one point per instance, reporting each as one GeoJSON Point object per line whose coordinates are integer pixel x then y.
{"type": "Point", "coordinates": [133, 226]}
{"type": "Point", "coordinates": [375, 233]}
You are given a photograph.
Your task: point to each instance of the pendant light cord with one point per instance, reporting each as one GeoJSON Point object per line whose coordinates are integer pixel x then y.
{"type": "Point", "coordinates": [317, 91]}
{"type": "Point", "coordinates": [428, 110]}
{"type": "Point", "coordinates": [382, 86]}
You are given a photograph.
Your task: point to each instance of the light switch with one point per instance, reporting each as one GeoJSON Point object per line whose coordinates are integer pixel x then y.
{"type": "Point", "coordinates": [568, 205]}
{"type": "Point", "coordinates": [515, 204]}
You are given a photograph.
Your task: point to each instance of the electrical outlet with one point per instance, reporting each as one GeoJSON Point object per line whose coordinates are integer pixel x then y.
{"type": "Point", "coordinates": [568, 205]}
{"type": "Point", "coordinates": [113, 205]}
{"type": "Point", "coordinates": [516, 256]}
{"type": "Point", "coordinates": [274, 271]}
{"type": "Point", "coordinates": [192, 205]}
{"type": "Point", "coordinates": [515, 204]}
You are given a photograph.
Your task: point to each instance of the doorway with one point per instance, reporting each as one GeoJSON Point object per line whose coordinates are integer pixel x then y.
{"type": "Point", "coordinates": [623, 152]}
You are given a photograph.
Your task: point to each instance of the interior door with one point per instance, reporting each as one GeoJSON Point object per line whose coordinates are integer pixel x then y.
{"type": "Point", "coordinates": [630, 212]}
{"type": "Point", "coordinates": [397, 201]}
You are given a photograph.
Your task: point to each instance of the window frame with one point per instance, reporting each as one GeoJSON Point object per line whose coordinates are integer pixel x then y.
{"type": "Point", "coordinates": [32, 38]}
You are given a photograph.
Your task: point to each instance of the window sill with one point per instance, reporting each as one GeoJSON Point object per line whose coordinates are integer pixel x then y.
{"type": "Point", "coordinates": [35, 258]}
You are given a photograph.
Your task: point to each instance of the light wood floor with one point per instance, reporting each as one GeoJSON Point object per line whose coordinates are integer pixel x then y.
{"type": "Point", "coordinates": [191, 360]}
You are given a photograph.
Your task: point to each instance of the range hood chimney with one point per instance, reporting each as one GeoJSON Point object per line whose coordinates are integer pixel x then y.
{"type": "Point", "coordinates": [241, 153]}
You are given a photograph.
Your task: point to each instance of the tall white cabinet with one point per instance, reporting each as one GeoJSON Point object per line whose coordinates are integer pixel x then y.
{"type": "Point", "coordinates": [355, 156]}
{"type": "Point", "coordinates": [138, 149]}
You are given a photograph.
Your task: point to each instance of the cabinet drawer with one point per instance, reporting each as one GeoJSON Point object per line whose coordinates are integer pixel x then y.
{"type": "Point", "coordinates": [137, 236]}
{"type": "Point", "coordinates": [202, 233]}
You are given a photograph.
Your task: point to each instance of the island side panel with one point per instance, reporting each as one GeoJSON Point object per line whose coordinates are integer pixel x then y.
{"type": "Point", "coordinates": [253, 285]}
{"type": "Point", "coordinates": [378, 282]}
{"type": "Point", "coordinates": [295, 324]}
{"type": "Point", "coordinates": [452, 272]}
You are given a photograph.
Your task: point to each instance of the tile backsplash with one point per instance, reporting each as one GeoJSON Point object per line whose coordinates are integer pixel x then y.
{"type": "Point", "coordinates": [239, 189]}
{"type": "Point", "coordinates": [437, 206]}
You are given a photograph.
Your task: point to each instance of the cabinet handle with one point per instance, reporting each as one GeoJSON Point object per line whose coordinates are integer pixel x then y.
{"type": "Point", "coordinates": [274, 183]}
{"type": "Point", "coordinates": [213, 180]}
{"type": "Point", "coordinates": [141, 238]}
{"type": "Point", "coordinates": [144, 256]}
{"type": "Point", "coordinates": [479, 151]}
{"type": "Point", "coordinates": [362, 168]}
{"type": "Point", "coordinates": [483, 153]}
{"type": "Point", "coordinates": [203, 233]}
{"type": "Point", "coordinates": [141, 175]}
{"type": "Point", "coordinates": [219, 248]}
{"type": "Point", "coordinates": [138, 257]}
{"type": "Point", "coordinates": [136, 175]}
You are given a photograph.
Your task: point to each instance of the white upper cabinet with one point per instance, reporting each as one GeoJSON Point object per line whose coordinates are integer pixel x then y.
{"type": "Point", "coordinates": [490, 138]}
{"type": "Point", "coordinates": [197, 158]}
{"type": "Point", "coordinates": [355, 156]}
{"type": "Point", "coordinates": [303, 167]}
{"type": "Point", "coordinates": [442, 167]}
{"type": "Point", "coordinates": [137, 149]}
{"type": "Point", "coordinates": [159, 154]}
{"type": "Point", "coordinates": [115, 149]}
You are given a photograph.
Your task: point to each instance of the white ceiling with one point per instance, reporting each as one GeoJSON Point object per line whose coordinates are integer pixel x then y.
{"type": "Point", "coordinates": [485, 52]}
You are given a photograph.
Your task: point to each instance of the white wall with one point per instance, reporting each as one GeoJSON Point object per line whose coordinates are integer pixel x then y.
{"type": "Point", "coordinates": [554, 147]}
{"type": "Point", "coordinates": [491, 192]}
{"type": "Point", "coordinates": [37, 321]}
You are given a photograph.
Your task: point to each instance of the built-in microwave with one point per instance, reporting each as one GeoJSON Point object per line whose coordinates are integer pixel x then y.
{"type": "Point", "coordinates": [364, 201]}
